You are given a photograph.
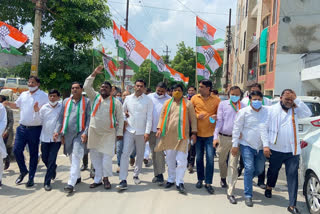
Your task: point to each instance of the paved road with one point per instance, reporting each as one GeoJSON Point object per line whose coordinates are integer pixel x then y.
{"type": "Point", "coordinates": [144, 198]}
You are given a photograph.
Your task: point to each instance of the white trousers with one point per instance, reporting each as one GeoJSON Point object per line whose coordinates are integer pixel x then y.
{"type": "Point", "coordinates": [102, 164]}
{"type": "Point", "coordinates": [75, 160]}
{"type": "Point", "coordinates": [147, 151]}
{"type": "Point", "coordinates": [1, 166]}
{"type": "Point", "coordinates": [129, 142]}
{"type": "Point", "coordinates": [177, 164]}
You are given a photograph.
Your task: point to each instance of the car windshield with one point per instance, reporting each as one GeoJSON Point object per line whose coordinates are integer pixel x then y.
{"type": "Point", "coordinates": [11, 80]}
{"type": "Point", "coordinates": [315, 108]}
{"type": "Point", "coordinates": [23, 82]}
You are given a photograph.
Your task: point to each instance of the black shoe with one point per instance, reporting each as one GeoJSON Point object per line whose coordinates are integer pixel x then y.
{"type": "Point", "coordinates": [21, 177]}
{"type": "Point", "coordinates": [239, 171]}
{"type": "Point", "coordinates": [209, 189]}
{"type": "Point", "coordinates": [268, 193]}
{"type": "Point", "coordinates": [168, 185]}
{"type": "Point", "coordinates": [84, 167]}
{"type": "Point", "coordinates": [223, 183]}
{"type": "Point", "coordinates": [199, 185]}
{"type": "Point", "coordinates": [54, 175]}
{"type": "Point", "coordinates": [78, 181]}
{"type": "Point", "coordinates": [30, 183]}
{"type": "Point", "coordinates": [47, 188]}
{"type": "Point", "coordinates": [123, 185]}
{"type": "Point", "coordinates": [293, 210]}
{"type": "Point", "coordinates": [181, 189]}
{"type": "Point", "coordinates": [68, 189]}
{"type": "Point", "coordinates": [232, 199]}
{"type": "Point", "coordinates": [262, 186]}
{"type": "Point", "coordinates": [248, 202]}
{"type": "Point", "coordinates": [160, 180]}
{"type": "Point", "coordinates": [0, 183]}
{"type": "Point", "coordinates": [6, 163]}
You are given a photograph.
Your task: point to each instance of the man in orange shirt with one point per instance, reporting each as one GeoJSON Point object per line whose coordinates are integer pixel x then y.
{"type": "Point", "coordinates": [206, 107]}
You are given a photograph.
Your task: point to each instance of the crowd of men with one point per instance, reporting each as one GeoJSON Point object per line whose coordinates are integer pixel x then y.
{"type": "Point", "coordinates": [180, 131]}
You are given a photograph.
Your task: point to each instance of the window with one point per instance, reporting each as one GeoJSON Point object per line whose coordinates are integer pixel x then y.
{"type": "Point", "coordinates": [244, 40]}
{"type": "Point", "coordinates": [262, 70]}
{"type": "Point", "coordinates": [275, 11]}
{"type": "Point", "coordinates": [271, 60]}
{"type": "Point", "coordinates": [242, 72]}
{"type": "Point", "coordinates": [265, 22]}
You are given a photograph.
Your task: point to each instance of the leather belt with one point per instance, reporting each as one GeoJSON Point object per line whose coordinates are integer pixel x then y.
{"type": "Point", "coordinates": [225, 135]}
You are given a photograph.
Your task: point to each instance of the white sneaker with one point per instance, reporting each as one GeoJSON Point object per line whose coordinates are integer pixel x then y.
{"type": "Point", "coordinates": [136, 180]}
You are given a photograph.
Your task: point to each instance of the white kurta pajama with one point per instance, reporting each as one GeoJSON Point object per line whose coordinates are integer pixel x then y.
{"type": "Point", "coordinates": [3, 125]}
{"type": "Point", "coordinates": [102, 137]}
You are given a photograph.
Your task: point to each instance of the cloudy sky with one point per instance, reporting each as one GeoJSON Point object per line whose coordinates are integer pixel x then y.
{"type": "Point", "coordinates": [158, 23]}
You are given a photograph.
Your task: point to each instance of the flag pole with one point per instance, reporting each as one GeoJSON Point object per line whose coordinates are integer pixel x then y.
{"type": "Point", "coordinates": [196, 77]}
{"type": "Point", "coordinates": [149, 73]}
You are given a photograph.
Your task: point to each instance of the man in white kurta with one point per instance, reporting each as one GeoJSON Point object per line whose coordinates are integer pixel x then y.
{"type": "Point", "coordinates": [3, 151]}
{"type": "Point", "coordinates": [106, 125]}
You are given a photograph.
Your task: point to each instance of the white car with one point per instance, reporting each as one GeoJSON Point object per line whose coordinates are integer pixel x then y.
{"type": "Point", "coordinates": [310, 170]}
{"type": "Point", "coordinates": [309, 124]}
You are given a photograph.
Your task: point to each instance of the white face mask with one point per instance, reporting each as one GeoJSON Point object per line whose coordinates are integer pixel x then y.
{"type": "Point", "coordinates": [159, 96]}
{"type": "Point", "coordinates": [53, 103]}
{"type": "Point", "coordinates": [32, 89]}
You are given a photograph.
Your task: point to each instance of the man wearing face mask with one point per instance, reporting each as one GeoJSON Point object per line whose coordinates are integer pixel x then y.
{"type": "Point", "coordinates": [29, 130]}
{"type": "Point", "coordinates": [174, 125]}
{"type": "Point", "coordinates": [251, 124]}
{"type": "Point", "coordinates": [106, 126]}
{"type": "Point", "coordinates": [227, 112]}
{"type": "Point", "coordinates": [265, 102]}
{"type": "Point", "coordinates": [285, 144]}
{"type": "Point", "coordinates": [158, 98]}
{"type": "Point", "coordinates": [72, 126]}
{"type": "Point", "coordinates": [138, 107]}
{"type": "Point", "coordinates": [49, 114]}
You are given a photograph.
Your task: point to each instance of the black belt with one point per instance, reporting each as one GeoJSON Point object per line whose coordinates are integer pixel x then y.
{"type": "Point", "coordinates": [30, 127]}
{"type": "Point", "coordinates": [225, 135]}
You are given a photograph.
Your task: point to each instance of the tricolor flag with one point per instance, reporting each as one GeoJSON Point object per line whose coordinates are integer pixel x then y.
{"type": "Point", "coordinates": [116, 33]}
{"type": "Point", "coordinates": [110, 65]}
{"type": "Point", "coordinates": [177, 76]}
{"type": "Point", "coordinates": [132, 50]}
{"type": "Point", "coordinates": [158, 65]}
{"type": "Point", "coordinates": [202, 72]}
{"type": "Point", "coordinates": [10, 38]}
{"type": "Point", "coordinates": [205, 33]}
{"type": "Point", "coordinates": [209, 58]}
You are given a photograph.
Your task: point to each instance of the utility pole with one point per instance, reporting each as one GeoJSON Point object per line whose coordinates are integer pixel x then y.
{"type": "Point", "coordinates": [125, 59]}
{"type": "Point", "coordinates": [228, 52]}
{"type": "Point", "coordinates": [166, 60]}
{"type": "Point", "coordinates": [167, 54]}
{"type": "Point", "coordinates": [36, 36]}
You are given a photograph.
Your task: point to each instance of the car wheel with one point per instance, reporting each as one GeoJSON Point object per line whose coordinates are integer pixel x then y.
{"type": "Point", "coordinates": [312, 195]}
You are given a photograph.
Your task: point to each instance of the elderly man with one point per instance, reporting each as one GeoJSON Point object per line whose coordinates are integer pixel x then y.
{"type": "Point", "coordinates": [174, 125]}
{"type": "Point", "coordinates": [106, 125]}
{"type": "Point", "coordinates": [29, 130]}
{"type": "Point", "coordinates": [73, 125]}
{"type": "Point", "coordinates": [3, 151]}
{"type": "Point", "coordinates": [285, 144]}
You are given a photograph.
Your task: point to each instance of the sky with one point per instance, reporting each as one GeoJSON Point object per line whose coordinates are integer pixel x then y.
{"type": "Point", "coordinates": [157, 23]}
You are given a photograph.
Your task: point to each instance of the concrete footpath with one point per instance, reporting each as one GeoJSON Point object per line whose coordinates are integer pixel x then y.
{"type": "Point", "coordinates": [144, 198]}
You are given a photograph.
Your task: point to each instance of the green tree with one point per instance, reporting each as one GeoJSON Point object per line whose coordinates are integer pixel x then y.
{"type": "Point", "coordinates": [185, 62]}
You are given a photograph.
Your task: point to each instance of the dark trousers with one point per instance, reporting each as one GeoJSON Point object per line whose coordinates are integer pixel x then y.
{"type": "Point", "coordinates": [205, 144]}
{"type": "Point", "coordinates": [292, 165]}
{"type": "Point", "coordinates": [49, 152]}
{"type": "Point", "coordinates": [192, 155]}
{"type": "Point", "coordinates": [9, 150]}
{"type": "Point", "coordinates": [31, 137]}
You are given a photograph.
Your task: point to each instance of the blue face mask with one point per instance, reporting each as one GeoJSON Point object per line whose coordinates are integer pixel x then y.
{"type": "Point", "coordinates": [234, 99]}
{"type": "Point", "coordinates": [119, 98]}
{"type": "Point", "coordinates": [256, 104]}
